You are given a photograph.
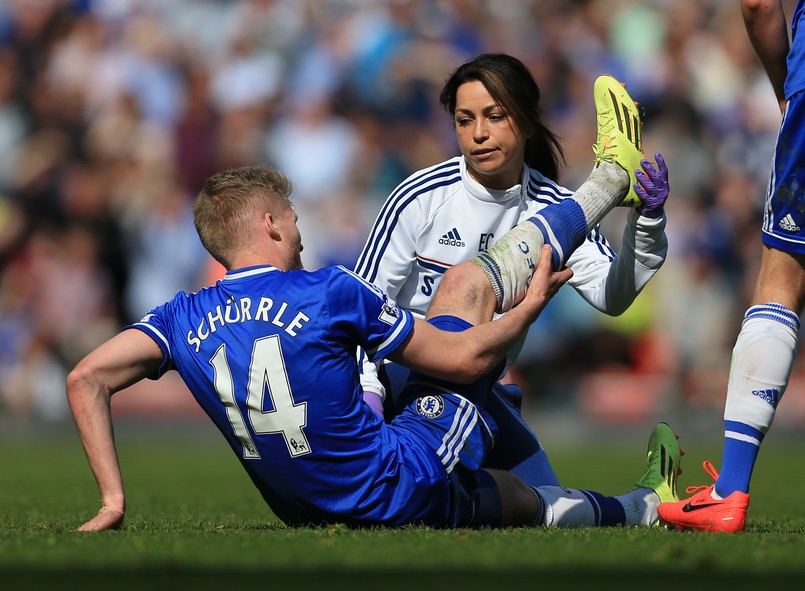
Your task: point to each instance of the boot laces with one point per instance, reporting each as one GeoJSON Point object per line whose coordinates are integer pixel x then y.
{"type": "Point", "coordinates": [711, 471]}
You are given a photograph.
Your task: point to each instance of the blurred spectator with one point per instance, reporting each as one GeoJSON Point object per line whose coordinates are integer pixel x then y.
{"type": "Point", "coordinates": [12, 120]}
{"type": "Point", "coordinates": [164, 252]}
{"type": "Point", "coordinates": [113, 112]}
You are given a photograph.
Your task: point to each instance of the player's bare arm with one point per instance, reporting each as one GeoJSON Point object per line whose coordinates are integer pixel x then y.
{"type": "Point", "coordinates": [766, 25]}
{"type": "Point", "coordinates": [464, 357]}
{"type": "Point", "coordinates": [122, 361]}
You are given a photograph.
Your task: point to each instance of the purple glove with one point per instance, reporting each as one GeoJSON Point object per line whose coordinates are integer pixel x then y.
{"type": "Point", "coordinates": [375, 403]}
{"type": "Point", "coordinates": [652, 187]}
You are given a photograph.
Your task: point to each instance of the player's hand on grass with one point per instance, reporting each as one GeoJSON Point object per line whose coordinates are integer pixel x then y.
{"type": "Point", "coordinates": [105, 519]}
{"type": "Point", "coordinates": [110, 516]}
{"type": "Point", "coordinates": [652, 187]}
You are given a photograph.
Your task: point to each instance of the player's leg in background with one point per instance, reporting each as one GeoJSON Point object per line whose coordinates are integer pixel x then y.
{"type": "Point", "coordinates": [558, 506]}
{"type": "Point", "coordinates": [765, 349]}
{"type": "Point", "coordinates": [762, 359]}
{"type": "Point", "coordinates": [766, 346]}
{"type": "Point", "coordinates": [517, 450]}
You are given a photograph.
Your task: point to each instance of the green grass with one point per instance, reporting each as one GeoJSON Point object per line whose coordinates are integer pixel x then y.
{"type": "Point", "coordinates": [195, 521]}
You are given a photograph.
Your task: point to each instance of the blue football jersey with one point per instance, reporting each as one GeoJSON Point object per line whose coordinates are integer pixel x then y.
{"type": "Point", "coordinates": [795, 80]}
{"type": "Point", "coordinates": [271, 357]}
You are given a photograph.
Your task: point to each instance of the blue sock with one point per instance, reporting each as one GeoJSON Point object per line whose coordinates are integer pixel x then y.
{"type": "Point", "coordinates": [564, 227]}
{"type": "Point", "coordinates": [741, 446]}
{"type": "Point", "coordinates": [609, 511]}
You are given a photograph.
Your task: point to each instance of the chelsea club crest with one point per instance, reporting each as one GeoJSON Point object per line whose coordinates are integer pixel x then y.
{"type": "Point", "coordinates": [430, 406]}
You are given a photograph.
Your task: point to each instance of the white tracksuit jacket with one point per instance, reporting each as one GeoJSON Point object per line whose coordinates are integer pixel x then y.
{"type": "Point", "coordinates": [439, 217]}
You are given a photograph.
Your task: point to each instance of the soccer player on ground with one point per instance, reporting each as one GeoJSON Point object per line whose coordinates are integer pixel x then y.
{"type": "Point", "coordinates": [269, 352]}
{"type": "Point", "coordinates": [448, 213]}
{"type": "Point", "coordinates": [766, 345]}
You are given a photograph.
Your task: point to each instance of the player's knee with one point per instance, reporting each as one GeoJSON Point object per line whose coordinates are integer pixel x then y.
{"type": "Point", "coordinates": [519, 504]}
{"type": "Point", "coordinates": [462, 278]}
{"type": "Point", "coordinates": [464, 287]}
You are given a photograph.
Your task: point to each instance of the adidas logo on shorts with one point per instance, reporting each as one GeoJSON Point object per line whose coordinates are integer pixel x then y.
{"type": "Point", "coordinates": [788, 224]}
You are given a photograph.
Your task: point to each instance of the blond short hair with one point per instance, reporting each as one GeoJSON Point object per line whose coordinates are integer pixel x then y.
{"type": "Point", "coordinates": [225, 210]}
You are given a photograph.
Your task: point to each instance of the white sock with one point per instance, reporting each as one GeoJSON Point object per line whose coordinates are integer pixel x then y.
{"type": "Point", "coordinates": [762, 358]}
{"type": "Point", "coordinates": [640, 506]}
{"type": "Point", "coordinates": [566, 507]}
{"type": "Point", "coordinates": [606, 186]}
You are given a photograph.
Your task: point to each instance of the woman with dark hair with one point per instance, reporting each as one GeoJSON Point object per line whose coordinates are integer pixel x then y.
{"type": "Point", "coordinates": [513, 87]}
{"type": "Point", "coordinates": [448, 213]}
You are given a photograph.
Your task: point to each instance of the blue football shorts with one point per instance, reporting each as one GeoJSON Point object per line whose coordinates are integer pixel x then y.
{"type": "Point", "coordinates": [784, 213]}
{"type": "Point", "coordinates": [449, 419]}
{"type": "Point", "coordinates": [458, 433]}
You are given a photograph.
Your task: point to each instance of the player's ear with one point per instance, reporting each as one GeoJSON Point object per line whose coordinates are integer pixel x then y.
{"type": "Point", "coordinates": [271, 227]}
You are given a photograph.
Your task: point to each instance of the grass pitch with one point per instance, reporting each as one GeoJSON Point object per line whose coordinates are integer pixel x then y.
{"type": "Point", "coordinates": [196, 522]}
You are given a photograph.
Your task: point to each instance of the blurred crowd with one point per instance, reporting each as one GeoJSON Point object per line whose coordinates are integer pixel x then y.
{"type": "Point", "coordinates": [113, 112]}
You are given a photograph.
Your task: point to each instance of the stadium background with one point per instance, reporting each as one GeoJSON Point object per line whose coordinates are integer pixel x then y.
{"type": "Point", "coordinates": [112, 112]}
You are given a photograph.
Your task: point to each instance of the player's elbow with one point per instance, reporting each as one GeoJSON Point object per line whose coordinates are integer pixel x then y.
{"type": "Point", "coordinates": [753, 10]}
{"type": "Point", "coordinates": [75, 380]}
{"type": "Point", "coordinates": [81, 380]}
{"type": "Point", "coordinates": [753, 6]}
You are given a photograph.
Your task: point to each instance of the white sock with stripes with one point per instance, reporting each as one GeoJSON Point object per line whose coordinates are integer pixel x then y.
{"type": "Point", "coordinates": [762, 358]}
{"type": "Point", "coordinates": [570, 507]}
{"type": "Point", "coordinates": [761, 365]}
{"type": "Point", "coordinates": [509, 263]}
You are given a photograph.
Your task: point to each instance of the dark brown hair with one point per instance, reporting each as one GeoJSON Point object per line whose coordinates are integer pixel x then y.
{"type": "Point", "coordinates": [512, 85]}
